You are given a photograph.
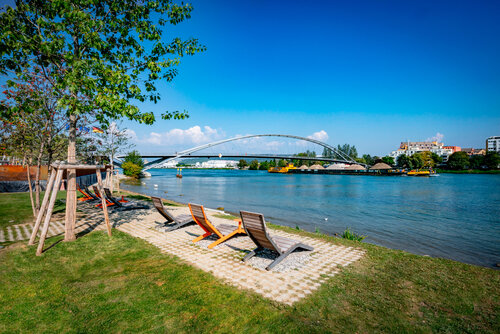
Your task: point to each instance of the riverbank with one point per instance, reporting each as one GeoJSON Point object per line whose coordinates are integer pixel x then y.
{"type": "Point", "coordinates": [467, 171]}
{"type": "Point", "coordinates": [101, 284]}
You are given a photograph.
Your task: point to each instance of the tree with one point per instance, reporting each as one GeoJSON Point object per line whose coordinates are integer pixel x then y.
{"type": "Point", "coordinates": [388, 160]}
{"type": "Point", "coordinates": [476, 161]}
{"type": "Point", "coordinates": [132, 164]}
{"type": "Point", "coordinates": [100, 57]}
{"type": "Point", "coordinates": [417, 160]}
{"type": "Point", "coordinates": [264, 165]}
{"type": "Point", "coordinates": [312, 154]}
{"type": "Point", "coordinates": [254, 165]}
{"type": "Point", "coordinates": [348, 150]}
{"type": "Point", "coordinates": [492, 160]}
{"type": "Point", "coordinates": [242, 164]}
{"type": "Point", "coordinates": [86, 149]}
{"type": "Point", "coordinates": [111, 142]}
{"type": "Point", "coordinates": [368, 160]}
{"type": "Point", "coordinates": [404, 161]}
{"type": "Point", "coordinates": [282, 163]}
{"type": "Point", "coordinates": [458, 161]}
{"type": "Point", "coordinates": [35, 130]}
{"type": "Point", "coordinates": [436, 158]}
{"type": "Point", "coordinates": [427, 159]}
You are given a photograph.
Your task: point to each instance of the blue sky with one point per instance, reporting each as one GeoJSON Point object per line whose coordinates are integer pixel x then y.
{"type": "Point", "coordinates": [367, 73]}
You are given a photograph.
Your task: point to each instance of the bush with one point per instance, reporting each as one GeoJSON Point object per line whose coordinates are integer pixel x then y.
{"type": "Point", "coordinates": [350, 235]}
{"type": "Point", "coordinates": [135, 158]}
{"type": "Point", "coordinates": [131, 169]}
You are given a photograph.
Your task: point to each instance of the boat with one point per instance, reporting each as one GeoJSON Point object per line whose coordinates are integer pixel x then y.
{"type": "Point", "coordinates": [281, 169]}
{"type": "Point", "coordinates": [417, 172]}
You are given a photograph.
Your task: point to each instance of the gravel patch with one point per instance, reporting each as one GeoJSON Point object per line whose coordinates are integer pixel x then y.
{"type": "Point", "coordinates": [294, 261]}
{"type": "Point", "coordinates": [204, 243]}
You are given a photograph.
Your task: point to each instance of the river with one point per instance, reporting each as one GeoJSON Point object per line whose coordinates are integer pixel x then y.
{"type": "Point", "coordinates": [450, 216]}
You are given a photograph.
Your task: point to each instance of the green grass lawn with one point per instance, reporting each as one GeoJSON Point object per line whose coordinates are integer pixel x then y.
{"type": "Point", "coordinates": [123, 284]}
{"type": "Point", "coordinates": [15, 208]}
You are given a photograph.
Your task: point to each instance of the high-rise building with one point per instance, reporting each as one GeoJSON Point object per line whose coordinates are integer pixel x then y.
{"type": "Point", "coordinates": [493, 144]}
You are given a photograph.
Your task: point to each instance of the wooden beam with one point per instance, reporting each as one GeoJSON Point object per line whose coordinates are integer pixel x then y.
{"type": "Point", "coordinates": [79, 166]}
{"type": "Point", "coordinates": [45, 201]}
{"type": "Point", "coordinates": [46, 223]}
{"type": "Point", "coordinates": [103, 201]}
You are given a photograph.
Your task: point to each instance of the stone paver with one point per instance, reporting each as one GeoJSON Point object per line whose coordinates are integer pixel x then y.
{"type": "Point", "coordinates": [223, 261]}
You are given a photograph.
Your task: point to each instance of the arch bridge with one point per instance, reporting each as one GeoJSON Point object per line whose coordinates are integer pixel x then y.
{"type": "Point", "coordinates": [191, 153]}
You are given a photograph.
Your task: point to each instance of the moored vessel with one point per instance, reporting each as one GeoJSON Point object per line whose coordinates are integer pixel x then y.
{"type": "Point", "coordinates": [417, 172]}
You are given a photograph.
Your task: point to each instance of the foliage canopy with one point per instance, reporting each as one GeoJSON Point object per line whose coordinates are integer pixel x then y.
{"type": "Point", "coordinates": [98, 55]}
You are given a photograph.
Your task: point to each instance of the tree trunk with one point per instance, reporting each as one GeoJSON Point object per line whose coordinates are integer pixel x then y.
{"type": "Point", "coordinates": [37, 177]}
{"type": "Point", "coordinates": [69, 234]}
{"type": "Point", "coordinates": [31, 190]}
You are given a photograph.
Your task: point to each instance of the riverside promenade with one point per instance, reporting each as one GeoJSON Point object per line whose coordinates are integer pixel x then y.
{"type": "Point", "coordinates": [293, 279]}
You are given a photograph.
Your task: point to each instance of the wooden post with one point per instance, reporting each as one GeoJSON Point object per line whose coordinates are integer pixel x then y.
{"type": "Point", "coordinates": [69, 233]}
{"type": "Point", "coordinates": [46, 223]}
{"type": "Point", "coordinates": [31, 190]}
{"type": "Point", "coordinates": [45, 201]}
{"type": "Point", "coordinates": [108, 180]}
{"type": "Point", "coordinates": [111, 179]}
{"type": "Point", "coordinates": [103, 200]}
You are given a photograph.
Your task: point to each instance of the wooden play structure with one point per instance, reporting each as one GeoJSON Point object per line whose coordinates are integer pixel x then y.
{"type": "Point", "coordinates": [53, 186]}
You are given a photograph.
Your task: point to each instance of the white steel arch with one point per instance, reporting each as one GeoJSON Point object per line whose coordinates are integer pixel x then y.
{"type": "Point", "coordinates": [184, 153]}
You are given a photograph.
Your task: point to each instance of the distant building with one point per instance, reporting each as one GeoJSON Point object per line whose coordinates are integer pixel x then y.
{"type": "Point", "coordinates": [217, 164]}
{"type": "Point", "coordinates": [493, 144]}
{"type": "Point", "coordinates": [410, 148]}
{"type": "Point", "coordinates": [474, 151]}
{"type": "Point", "coordinates": [453, 148]}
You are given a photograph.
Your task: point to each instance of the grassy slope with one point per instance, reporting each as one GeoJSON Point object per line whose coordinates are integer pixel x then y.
{"type": "Point", "coordinates": [15, 208]}
{"type": "Point", "coordinates": [98, 284]}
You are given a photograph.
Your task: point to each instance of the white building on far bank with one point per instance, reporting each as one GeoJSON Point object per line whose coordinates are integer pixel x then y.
{"type": "Point", "coordinates": [217, 164]}
{"type": "Point", "coordinates": [493, 144]}
{"type": "Point", "coordinates": [410, 148]}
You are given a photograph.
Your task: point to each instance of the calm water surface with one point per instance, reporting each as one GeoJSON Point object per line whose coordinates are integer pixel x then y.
{"type": "Point", "coordinates": [450, 216]}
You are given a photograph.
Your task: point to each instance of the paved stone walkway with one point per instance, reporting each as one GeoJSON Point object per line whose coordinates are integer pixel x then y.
{"type": "Point", "coordinates": [23, 231]}
{"type": "Point", "coordinates": [286, 283]}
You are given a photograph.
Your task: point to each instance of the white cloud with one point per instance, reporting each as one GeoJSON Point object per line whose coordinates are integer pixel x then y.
{"type": "Point", "coordinates": [320, 135]}
{"type": "Point", "coordinates": [192, 136]}
{"type": "Point", "coordinates": [438, 137]}
{"type": "Point", "coordinates": [131, 134]}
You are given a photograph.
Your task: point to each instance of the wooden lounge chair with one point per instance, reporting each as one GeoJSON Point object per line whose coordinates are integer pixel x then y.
{"type": "Point", "coordinates": [255, 226]}
{"type": "Point", "coordinates": [175, 222]}
{"type": "Point", "coordinates": [87, 190]}
{"type": "Point", "coordinates": [86, 197]}
{"type": "Point", "coordinates": [110, 195]}
{"type": "Point", "coordinates": [223, 231]}
{"type": "Point", "coordinates": [99, 195]}
{"type": "Point", "coordinates": [123, 206]}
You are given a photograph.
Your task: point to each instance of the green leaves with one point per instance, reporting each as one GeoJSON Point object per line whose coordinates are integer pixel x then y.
{"type": "Point", "coordinates": [97, 52]}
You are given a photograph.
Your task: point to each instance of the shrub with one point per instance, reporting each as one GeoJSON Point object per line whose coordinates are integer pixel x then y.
{"type": "Point", "coordinates": [350, 235]}
{"type": "Point", "coordinates": [135, 158]}
{"type": "Point", "coordinates": [131, 169]}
